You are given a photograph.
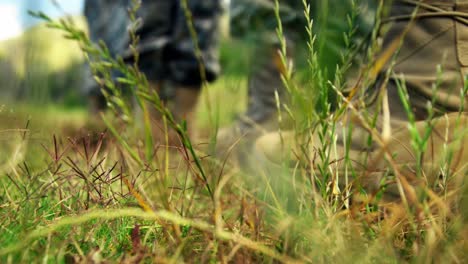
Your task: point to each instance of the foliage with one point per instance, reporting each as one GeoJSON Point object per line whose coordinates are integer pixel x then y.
{"type": "Point", "coordinates": [119, 196]}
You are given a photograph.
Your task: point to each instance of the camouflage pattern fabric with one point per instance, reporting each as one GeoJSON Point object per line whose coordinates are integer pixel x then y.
{"type": "Point", "coordinates": [258, 16]}
{"type": "Point", "coordinates": [166, 46]}
{"type": "Point", "coordinates": [256, 20]}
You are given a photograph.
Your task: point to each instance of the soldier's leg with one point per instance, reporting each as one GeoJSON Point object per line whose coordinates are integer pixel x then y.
{"type": "Point", "coordinates": [265, 80]}
{"type": "Point", "coordinates": [264, 85]}
{"type": "Point", "coordinates": [176, 59]}
{"type": "Point", "coordinates": [107, 22]}
{"type": "Point", "coordinates": [193, 55]}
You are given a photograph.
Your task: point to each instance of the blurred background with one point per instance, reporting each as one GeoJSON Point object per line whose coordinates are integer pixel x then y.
{"type": "Point", "coordinates": [37, 65]}
{"type": "Point", "coordinates": [40, 69]}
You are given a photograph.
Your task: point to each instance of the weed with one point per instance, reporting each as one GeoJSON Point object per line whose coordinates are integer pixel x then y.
{"type": "Point", "coordinates": [122, 197]}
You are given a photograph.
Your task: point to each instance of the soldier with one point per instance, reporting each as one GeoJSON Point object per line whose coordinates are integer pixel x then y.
{"type": "Point", "coordinates": [427, 35]}
{"type": "Point", "coordinates": [166, 47]}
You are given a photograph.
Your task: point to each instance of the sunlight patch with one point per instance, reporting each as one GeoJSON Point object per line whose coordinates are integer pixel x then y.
{"type": "Point", "coordinates": [9, 14]}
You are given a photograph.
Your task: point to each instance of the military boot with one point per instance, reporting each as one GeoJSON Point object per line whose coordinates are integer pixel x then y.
{"type": "Point", "coordinates": [390, 140]}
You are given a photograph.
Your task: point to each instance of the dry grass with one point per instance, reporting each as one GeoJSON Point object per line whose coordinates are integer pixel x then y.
{"type": "Point", "coordinates": [71, 196]}
{"type": "Point", "coordinates": [74, 192]}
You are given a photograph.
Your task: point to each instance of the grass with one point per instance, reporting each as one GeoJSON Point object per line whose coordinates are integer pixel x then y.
{"type": "Point", "coordinates": [72, 190]}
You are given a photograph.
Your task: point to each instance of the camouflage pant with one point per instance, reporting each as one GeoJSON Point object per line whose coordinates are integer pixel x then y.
{"type": "Point", "coordinates": [166, 45]}
{"type": "Point", "coordinates": [256, 19]}
{"type": "Point", "coordinates": [258, 16]}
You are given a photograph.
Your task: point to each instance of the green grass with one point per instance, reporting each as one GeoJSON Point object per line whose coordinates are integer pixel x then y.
{"type": "Point", "coordinates": [72, 191]}
{"type": "Point", "coordinates": [57, 207]}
